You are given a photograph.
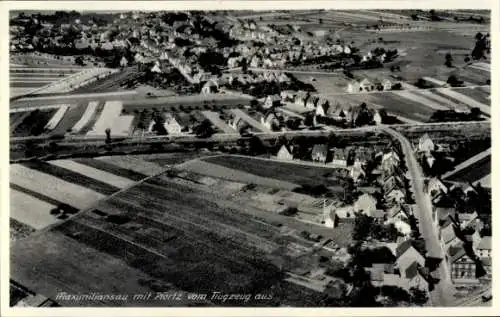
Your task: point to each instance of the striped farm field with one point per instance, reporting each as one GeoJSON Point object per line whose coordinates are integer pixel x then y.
{"type": "Point", "coordinates": [72, 177]}
{"type": "Point", "coordinates": [42, 197]}
{"type": "Point", "coordinates": [110, 112]}
{"type": "Point", "coordinates": [456, 95]}
{"type": "Point", "coordinates": [57, 117]}
{"type": "Point", "coordinates": [66, 192]}
{"type": "Point", "coordinates": [134, 164]}
{"type": "Point", "coordinates": [429, 94]}
{"type": "Point", "coordinates": [89, 118]}
{"type": "Point", "coordinates": [400, 106]}
{"type": "Point", "coordinates": [420, 99]}
{"type": "Point", "coordinates": [30, 210]}
{"type": "Point", "coordinates": [108, 167]}
{"type": "Point", "coordinates": [476, 94]}
{"type": "Point", "coordinates": [88, 171]}
{"type": "Point", "coordinates": [232, 174]}
{"type": "Point", "coordinates": [69, 119]}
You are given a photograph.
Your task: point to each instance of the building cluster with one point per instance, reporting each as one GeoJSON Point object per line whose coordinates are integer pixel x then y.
{"type": "Point", "coordinates": [467, 247]}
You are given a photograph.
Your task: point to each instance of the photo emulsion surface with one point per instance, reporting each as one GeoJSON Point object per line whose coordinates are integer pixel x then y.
{"type": "Point", "coordinates": [301, 158]}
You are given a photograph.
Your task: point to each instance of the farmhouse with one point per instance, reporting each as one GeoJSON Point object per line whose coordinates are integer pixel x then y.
{"type": "Point", "coordinates": [406, 255]}
{"type": "Point", "coordinates": [339, 157]}
{"type": "Point", "coordinates": [417, 276]}
{"type": "Point", "coordinates": [319, 153]}
{"type": "Point", "coordinates": [462, 266]}
{"type": "Point", "coordinates": [484, 248]}
{"type": "Point", "coordinates": [272, 101]}
{"type": "Point", "coordinates": [357, 172]}
{"type": "Point", "coordinates": [366, 85]}
{"type": "Point", "coordinates": [210, 87]}
{"type": "Point", "coordinates": [285, 153]}
{"type": "Point", "coordinates": [171, 125]}
{"type": "Point", "coordinates": [425, 144]}
{"type": "Point", "coordinates": [353, 87]}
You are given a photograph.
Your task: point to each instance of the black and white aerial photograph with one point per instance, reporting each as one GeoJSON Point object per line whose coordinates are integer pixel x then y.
{"type": "Point", "coordinates": [250, 158]}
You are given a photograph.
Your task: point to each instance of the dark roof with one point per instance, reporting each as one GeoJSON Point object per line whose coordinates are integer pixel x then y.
{"type": "Point", "coordinates": [403, 247]}
{"type": "Point", "coordinates": [412, 270]}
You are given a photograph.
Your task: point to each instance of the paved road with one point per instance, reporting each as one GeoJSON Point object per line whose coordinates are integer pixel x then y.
{"type": "Point", "coordinates": [442, 294]}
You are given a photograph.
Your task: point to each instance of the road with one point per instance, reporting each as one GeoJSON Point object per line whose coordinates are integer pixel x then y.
{"type": "Point", "coordinates": [442, 293]}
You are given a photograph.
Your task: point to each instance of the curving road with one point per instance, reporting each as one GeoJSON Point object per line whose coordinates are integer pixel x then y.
{"type": "Point", "coordinates": [443, 291]}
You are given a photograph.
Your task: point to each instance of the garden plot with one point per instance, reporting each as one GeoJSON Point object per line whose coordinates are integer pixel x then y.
{"type": "Point", "coordinates": [111, 168]}
{"type": "Point", "coordinates": [476, 94]}
{"type": "Point", "coordinates": [57, 117]}
{"type": "Point", "coordinates": [30, 210]}
{"type": "Point", "coordinates": [251, 121]}
{"type": "Point", "coordinates": [53, 187]}
{"type": "Point", "coordinates": [89, 113]}
{"type": "Point", "coordinates": [69, 119]}
{"type": "Point", "coordinates": [94, 173]}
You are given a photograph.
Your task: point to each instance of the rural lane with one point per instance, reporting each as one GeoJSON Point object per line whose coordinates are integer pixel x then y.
{"type": "Point", "coordinates": [441, 295]}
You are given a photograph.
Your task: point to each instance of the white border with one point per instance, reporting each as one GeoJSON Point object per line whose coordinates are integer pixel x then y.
{"type": "Point", "coordinates": [225, 5]}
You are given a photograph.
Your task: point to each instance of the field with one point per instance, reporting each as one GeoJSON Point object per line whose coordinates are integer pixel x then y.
{"type": "Point", "coordinates": [69, 119]}
{"type": "Point", "coordinates": [164, 234]}
{"type": "Point", "coordinates": [38, 187]}
{"type": "Point", "coordinates": [34, 123]}
{"type": "Point", "coordinates": [474, 172]}
{"type": "Point", "coordinates": [293, 173]}
{"type": "Point", "coordinates": [30, 72]}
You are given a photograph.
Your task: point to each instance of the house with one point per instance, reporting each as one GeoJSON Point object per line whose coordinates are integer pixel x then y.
{"type": "Point", "coordinates": [210, 87]}
{"type": "Point", "coordinates": [339, 157]}
{"type": "Point", "coordinates": [406, 254]}
{"type": "Point", "coordinates": [272, 101]}
{"type": "Point", "coordinates": [390, 161]}
{"type": "Point", "coordinates": [395, 196]}
{"type": "Point", "coordinates": [366, 204]}
{"type": "Point", "coordinates": [483, 249]}
{"type": "Point", "coordinates": [287, 95]}
{"type": "Point", "coordinates": [353, 87]}
{"type": "Point", "coordinates": [301, 98]}
{"type": "Point", "coordinates": [464, 219]}
{"type": "Point", "coordinates": [171, 125]}
{"type": "Point", "coordinates": [319, 153]}
{"type": "Point", "coordinates": [366, 85]}
{"type": "Point", "coordinates": [285, 153]}
{"type": "Point", "coordinates": [356, 172]}
{"type": "Point", "coordinates": [425, 144]}
{"type": "Point", "coordinates": [269, 120]}
{"type": "Point", "coordinates": [440, 214]}
{"type": "Point", "coordinates": [320, 111]}
{"type": "Point", "coordinates": [486, 263]}
{"type": "Point", "coordinates": [398, 212]}
{"type": "Point", "coordinates": [449, 234]}
{"type": "Point", "coordinates": [434, 186]}
{"type": "Point", "coordinates": [311, 102]}
{"type": "Point", "coordinates": [462, 266]}
{"type": "Point", "coordinates": [377, 118]}
{"type": "Point", "coordinates": [386, 84]}
{"type": "Point", "coordinates": [417, 276]}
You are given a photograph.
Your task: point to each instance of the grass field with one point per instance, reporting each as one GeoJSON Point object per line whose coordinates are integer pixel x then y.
{"type": "Point", "coordinates": [133, 163]}
{"type": "Point", "coordinates": [296, 174]}
{"type": "Point", "coordinates": [111, 168]}
{"type": "Point", "coordinates": [30, 211]}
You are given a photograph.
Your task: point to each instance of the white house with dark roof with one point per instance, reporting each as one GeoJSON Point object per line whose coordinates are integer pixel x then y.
{"type": "Point", "coordinates": [285, 153]}
{"type": "Point", "coordinates": [483, 249]}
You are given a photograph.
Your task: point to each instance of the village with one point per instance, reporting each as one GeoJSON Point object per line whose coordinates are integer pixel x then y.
{"type": "Point", "coordinates": [307, 152]}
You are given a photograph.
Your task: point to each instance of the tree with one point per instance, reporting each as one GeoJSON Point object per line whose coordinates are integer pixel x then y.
{"type": "Point", "coordinates": [79, 61]}
{"type": "Point", "coordinates": [467, 59]}
{"type": "Point", "coordinates": [362, 227]}
{"type": "Point", "coordinates": [418, 296]}
{"type": "Point", "coordinates": [204, 129]}
{"type": "Point", "coordinates": [448, 60]}
{"type": "Point", "coordinates": [108, 135]}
